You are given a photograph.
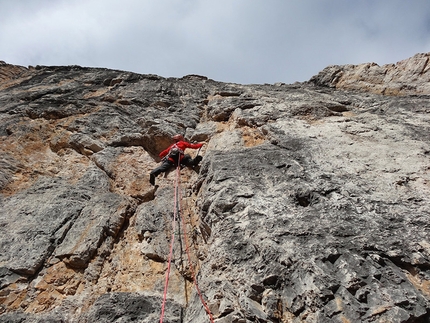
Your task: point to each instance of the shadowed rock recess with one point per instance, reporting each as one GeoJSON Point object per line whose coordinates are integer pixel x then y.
{"type": "Point", "coordinates": [311, 203]}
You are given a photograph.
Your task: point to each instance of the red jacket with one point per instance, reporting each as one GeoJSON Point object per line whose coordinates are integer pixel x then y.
{"type": "Point", "coordinates": [182, 145]}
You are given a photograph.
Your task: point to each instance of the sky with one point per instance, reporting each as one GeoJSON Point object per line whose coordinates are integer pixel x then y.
{"type": "Point", "coordinates": [237, 41]}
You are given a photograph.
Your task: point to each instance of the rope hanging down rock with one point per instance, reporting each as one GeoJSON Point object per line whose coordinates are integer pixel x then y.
{"type": "Point", "coordinates": [172, 240]}
{"type": "Point", "coordinates": [193, 275]}
{"type": "Point", "coordinates": [177, 211]}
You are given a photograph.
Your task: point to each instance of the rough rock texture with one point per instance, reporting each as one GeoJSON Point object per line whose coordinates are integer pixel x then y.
{"type": "Point", "coordinates": [408, 77]}
{"type": "Point", "coordinates": [311, 203]}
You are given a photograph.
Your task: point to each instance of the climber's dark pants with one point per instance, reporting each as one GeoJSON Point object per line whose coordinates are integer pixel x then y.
{"type": "Point", "coordinates": [164, 167]}
{"type": "Point", "coordinates": [168, 165]}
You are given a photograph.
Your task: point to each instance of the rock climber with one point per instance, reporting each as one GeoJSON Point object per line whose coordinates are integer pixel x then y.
{"type": "Point", "coordinates": [174, 155]}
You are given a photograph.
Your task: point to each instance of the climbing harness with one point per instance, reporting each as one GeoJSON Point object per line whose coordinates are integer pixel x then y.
{"type": "Point", "coordinates": [177, 213]}
{"type": "Point", "coordinates": [175, 153]}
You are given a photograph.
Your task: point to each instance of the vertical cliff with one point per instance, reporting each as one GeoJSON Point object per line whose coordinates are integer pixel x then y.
{"type": "Point", "coordinates": [311, 203]}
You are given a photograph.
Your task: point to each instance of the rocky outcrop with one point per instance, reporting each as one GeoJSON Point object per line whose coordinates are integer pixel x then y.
{"type": "Point", "coordinates": [9, 72]}
{"type": "Point", "coordinates": [408, 77]}
{"type": "Point", "coordinates": [311, 203]}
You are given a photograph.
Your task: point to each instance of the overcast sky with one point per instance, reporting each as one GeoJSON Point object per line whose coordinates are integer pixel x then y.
{"type": "Point", "coordinates": [240, 41]}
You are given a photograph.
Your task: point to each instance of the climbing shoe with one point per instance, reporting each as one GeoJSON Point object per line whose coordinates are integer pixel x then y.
{"type": "Point", "coordinates": [197, 160]}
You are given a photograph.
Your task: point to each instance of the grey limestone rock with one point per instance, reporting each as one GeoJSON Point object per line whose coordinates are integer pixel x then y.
{"type": "Point", "coordinates": [311, 203]}
{"type": "Point", "coordinates": [131, 307]}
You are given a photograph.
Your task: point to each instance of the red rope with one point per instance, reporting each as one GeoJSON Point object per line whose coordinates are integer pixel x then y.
{"type": "Point", "coordinates": [193, 275]}
{"type": "Point", "coordinates": [177, 209]}
{"type": "Point", "coordinates": [172, 240]}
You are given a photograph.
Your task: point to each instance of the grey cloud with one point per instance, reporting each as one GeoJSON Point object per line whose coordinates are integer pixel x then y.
{"type": "Point", "coordinates": [243, 41]}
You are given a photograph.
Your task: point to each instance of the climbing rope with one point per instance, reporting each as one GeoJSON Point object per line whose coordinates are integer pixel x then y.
{"type": "Point", "coordinates": [193, 275]}
{"type": "Point", "coordinates": [177, 211]}
{"type": "Point", "coordinates": [172, 240]}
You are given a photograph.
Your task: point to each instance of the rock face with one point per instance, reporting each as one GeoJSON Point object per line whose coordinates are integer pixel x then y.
{"type": "Point", "coordinates": [408, 77]}
{"type": "Point", "coordinates": [311, 203]}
